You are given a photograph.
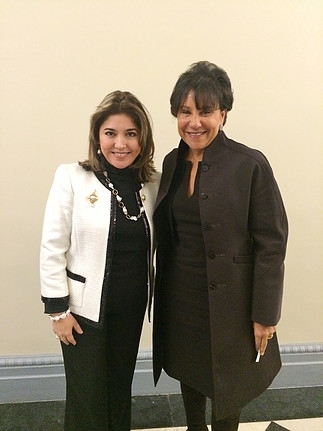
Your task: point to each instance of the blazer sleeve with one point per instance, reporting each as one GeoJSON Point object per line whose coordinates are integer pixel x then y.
{"type": "Point", "coordinates": [269, 230]}
{"type": "Point", "coordinates": [55, 241]}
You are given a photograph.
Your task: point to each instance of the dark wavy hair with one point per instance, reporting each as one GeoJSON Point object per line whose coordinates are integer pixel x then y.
{"type": "Point", "coordinates": [123, 102]}
{"type": "Point", "coordinates": [211, 87]}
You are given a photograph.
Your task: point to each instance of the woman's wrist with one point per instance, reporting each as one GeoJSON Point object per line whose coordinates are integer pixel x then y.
{"type": "Point", "coordinates": [55, 317]}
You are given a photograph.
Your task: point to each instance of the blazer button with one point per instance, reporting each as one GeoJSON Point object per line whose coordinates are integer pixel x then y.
{"type": "Point", "coordinates": [205, 168]}
{"type": "Point", "coordinates": [203, 195]}
{"type": "Point", "coordinates": [211, 254]}
{"type": "Point", "coordinates": [212, 286]}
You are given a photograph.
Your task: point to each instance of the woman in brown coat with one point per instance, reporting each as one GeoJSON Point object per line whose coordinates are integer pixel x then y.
{"type": "Point", "coordinates": [221, 239]}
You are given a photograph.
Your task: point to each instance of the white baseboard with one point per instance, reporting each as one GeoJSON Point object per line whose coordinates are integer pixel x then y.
{"type": "Point", "coordinates": [41, 377]}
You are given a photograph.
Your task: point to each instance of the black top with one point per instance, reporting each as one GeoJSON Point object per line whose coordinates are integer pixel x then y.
{"type": "Point", "coordinates": [125, 283]}
{"type": "Point", "coordinates": [128, 234]}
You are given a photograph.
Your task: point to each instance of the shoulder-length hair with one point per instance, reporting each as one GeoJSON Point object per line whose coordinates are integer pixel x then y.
{"type": "Point", "coordinates": [123, 102]}
{"type": "Point", "coordinates": [210, 85]}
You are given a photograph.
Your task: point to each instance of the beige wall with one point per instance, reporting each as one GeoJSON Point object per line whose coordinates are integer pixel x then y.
{"type": "Point", "coordinates": [60, 57]}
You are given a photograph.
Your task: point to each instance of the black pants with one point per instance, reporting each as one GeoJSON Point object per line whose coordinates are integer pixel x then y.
{"type": "Point", "coordinates": [99, 373]}
{"type": "Point", "coordinates": [195, 405]}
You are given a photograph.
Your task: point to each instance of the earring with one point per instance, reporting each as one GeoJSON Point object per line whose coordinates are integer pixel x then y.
{"type": "Point", "coordinates": [99, 151]}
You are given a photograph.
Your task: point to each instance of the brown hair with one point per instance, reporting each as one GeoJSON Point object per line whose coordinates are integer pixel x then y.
{"type": "Point", "coordinates": [123, 102]}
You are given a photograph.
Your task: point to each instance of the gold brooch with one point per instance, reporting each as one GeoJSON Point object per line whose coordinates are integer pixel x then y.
{"type": "Point", "coordinates": [93, 198]}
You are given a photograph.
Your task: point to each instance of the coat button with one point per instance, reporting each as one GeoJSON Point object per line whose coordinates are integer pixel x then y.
{"type": "Point", "coordinates": [203, 195]}
{"type": "Point", "coordinates": [217, 285]}
{"type": "Point", "coordinates": [211, 254]}
{"type": "Point", "coordinates": [205, 168]}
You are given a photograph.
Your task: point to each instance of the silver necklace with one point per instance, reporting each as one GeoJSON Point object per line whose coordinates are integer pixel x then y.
{"type": "Point", "coordinates": [115, 193]}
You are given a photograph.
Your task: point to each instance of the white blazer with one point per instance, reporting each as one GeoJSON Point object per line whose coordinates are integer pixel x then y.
{"type": "Point", "coordinates": [75, 235]}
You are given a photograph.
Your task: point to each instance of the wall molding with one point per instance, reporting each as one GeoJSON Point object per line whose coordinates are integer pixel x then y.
{"type": "Point", "coordinates": [301, 348]}
{"type": "Point", "coordinates": [144, 354]}
{"type": "Point", "coordinates": [41, 377]}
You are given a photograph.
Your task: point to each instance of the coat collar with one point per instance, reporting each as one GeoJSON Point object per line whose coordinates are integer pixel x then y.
{"type": "Point", "coordinates": [174, 159]}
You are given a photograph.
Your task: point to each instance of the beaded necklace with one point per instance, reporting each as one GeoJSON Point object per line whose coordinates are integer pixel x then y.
{"type": "Point", "coordinates": [115, 193]}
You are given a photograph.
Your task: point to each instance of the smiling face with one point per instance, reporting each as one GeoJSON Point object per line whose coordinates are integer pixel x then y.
{"type": "Point", "coordinates": [119, 140]}
{"type": "Point", "coordinates": [198, 127]}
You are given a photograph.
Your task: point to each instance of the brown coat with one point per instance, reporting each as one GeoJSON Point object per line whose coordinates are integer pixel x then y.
{"type": "Point", "coordinates": [244, 229]}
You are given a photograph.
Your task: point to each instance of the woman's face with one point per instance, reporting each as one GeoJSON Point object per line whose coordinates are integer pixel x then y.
{"type": "Point", "coordinates": [198, 127]}
{"type": "Point", "coordinates": [119, 140]}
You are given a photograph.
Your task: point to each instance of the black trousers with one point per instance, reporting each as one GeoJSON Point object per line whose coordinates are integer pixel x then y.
{"type": "Point", "coordinates": [99, 372]}
{"type": "Point", "coordinates": [195, 405]}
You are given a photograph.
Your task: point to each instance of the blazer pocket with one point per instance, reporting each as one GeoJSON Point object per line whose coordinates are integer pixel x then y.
{"type": "Point", "coordinates": [76, 284]}
{"type": "Point", "coordinates": [243, 259]}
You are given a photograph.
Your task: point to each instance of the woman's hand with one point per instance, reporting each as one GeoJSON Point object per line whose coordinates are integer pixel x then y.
{"type": "Point", "coordinates": [63, 328]}
{"type": "Point", "coordinates": [262, 335]}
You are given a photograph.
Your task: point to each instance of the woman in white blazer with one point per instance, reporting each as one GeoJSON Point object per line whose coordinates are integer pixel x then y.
{"type": "Point", "coordinates": [96, 262]}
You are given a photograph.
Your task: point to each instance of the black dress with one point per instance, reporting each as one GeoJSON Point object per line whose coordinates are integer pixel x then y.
{"type": "Point", "coordinates": [187, 348]}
